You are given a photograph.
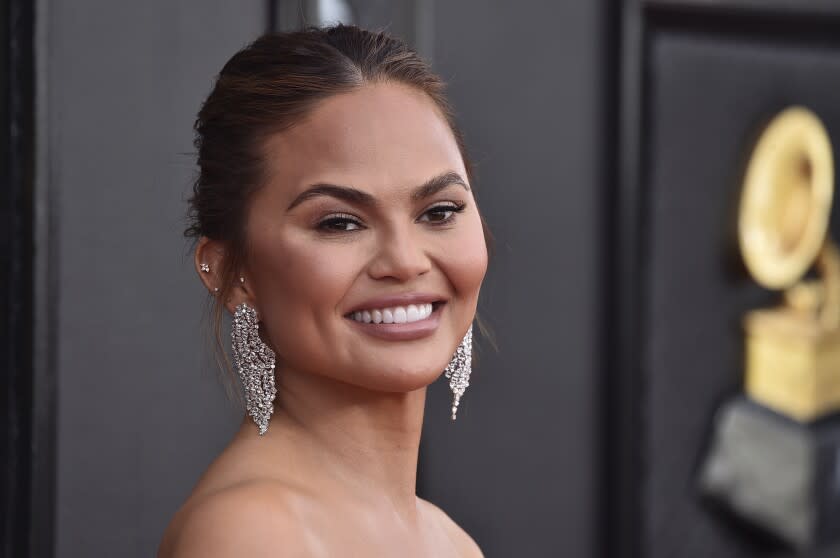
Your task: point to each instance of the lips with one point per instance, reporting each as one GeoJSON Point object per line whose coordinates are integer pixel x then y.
{"type": "Point", "coordinates": [401, 331]}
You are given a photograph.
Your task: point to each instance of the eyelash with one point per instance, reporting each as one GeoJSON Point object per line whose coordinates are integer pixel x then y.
{"type": "Point", "coordinates": [346, 217]}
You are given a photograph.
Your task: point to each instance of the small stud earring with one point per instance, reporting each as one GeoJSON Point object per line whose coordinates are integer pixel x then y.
{"type": "Point", "coordinates": [216, 289]}
{"type": "Point", "coordinates": [241, 279]}
{"type": "Point", "coordinates": [205, 268]}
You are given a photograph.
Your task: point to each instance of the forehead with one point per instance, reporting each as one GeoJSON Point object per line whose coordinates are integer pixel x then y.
{"type": "Point", "coordinates": [378, 137]}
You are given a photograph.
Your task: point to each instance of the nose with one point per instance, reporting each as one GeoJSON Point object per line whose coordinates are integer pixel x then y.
{"type": "Point", "coordinates": [400, 254]}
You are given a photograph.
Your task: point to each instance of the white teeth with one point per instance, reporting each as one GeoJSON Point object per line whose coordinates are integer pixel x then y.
{"type": "Point", "coordinates": [394, 315]}
{"type": "Point", "coordinates": [412, 313]}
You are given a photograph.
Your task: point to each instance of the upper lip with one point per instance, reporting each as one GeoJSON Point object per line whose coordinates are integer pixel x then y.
{"type": "Point", "coordinates": [396, 300]}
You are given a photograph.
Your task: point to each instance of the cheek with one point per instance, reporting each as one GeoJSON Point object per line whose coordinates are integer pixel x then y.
{"type": "Point", "coordinates": [466, 260]}
{"type": "Point", "coordinates": [307, 269]}
{"type": "Point", "coordinates": [297, 282]}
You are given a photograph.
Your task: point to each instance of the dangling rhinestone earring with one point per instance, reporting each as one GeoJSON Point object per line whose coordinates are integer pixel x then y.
{"type": "Point", "coordinates": [255, 363]}
{"type": "Point", "coordinates": [458, 370]}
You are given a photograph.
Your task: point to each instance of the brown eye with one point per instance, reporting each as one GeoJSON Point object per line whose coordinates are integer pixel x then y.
{"type": "Point", "coordinates": [339, 223]}
{"type": "Point", "coordinates": [442, 214]}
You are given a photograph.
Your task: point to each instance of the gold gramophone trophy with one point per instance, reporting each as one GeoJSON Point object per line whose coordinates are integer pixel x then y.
{"type": "Point", "coordinates": [793, 350]}
{"type": "Point", "coordinates": [774, 458]}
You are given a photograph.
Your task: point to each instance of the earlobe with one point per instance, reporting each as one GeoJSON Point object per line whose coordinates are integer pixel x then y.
{"type": "Point", "coordinates": [240, 292]}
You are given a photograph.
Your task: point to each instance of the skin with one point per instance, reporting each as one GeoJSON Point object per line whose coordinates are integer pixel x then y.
{"type": "Point", "coordinates": [335, 475]}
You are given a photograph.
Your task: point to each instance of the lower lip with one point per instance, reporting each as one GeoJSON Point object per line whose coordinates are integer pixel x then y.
{"type": "Point", "coordinates": [401, 332]}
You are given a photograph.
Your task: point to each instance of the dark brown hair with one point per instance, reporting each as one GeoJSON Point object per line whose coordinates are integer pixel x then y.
{"type": "Point", "coordinates": [267, 87]}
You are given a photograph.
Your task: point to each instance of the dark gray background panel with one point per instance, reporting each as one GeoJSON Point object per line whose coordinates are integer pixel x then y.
{"type": "Point", "coordinates": [140, 413]}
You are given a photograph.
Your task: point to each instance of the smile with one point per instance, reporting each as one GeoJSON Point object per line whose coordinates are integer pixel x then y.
{"type": "Point", "coordinates": [398, 323]}
{"type": "Point", "coordinates": [394, 314]}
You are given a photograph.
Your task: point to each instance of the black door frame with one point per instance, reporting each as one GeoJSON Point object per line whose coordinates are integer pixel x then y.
{"type": "Point", "coordinates": [16, 275]}
{"type": "Point", "coordinates": [27, 384]}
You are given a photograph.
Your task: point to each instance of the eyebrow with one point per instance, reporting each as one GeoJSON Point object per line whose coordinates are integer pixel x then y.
{"type": "Point", "coordinates": [358, 197]}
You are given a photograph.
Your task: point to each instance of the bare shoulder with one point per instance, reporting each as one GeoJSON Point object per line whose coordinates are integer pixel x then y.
{"type": "Point", "coordinates": [467, 547]}
{"type": "Point", "coordinates": [255, 519]}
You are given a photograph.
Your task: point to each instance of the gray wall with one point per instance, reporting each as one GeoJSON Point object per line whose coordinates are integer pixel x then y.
{"type": "Point", "coordinates": [136, 390]}
{"type": "Point", "coordinates": [140, 413]}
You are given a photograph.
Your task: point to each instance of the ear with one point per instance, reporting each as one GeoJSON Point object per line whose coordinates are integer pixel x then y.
{"type": "Point", "coordinates": [209, 262]}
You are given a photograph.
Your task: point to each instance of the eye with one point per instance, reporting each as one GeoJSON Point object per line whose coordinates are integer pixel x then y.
{"type": "Point", "coordinates": [443, 213]}
{"type": "Point", "coordinates": [339, 222]}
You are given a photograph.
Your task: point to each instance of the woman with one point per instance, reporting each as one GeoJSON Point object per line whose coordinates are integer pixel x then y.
{"type": "Point", "coordinates": [335, 219]}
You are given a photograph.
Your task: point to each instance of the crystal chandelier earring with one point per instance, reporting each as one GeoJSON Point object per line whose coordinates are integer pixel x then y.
{"type": "Point", "coordinates": [458, 370]}
{"type": "Point", "coordinates": [255, 362]}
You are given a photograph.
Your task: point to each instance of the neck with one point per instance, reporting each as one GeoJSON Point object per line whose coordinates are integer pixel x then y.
{"type": "Point", "coordinates": [366, 441]}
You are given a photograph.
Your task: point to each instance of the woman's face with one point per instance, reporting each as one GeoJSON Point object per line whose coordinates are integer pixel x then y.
{"type": "Point", "coordinates": [366, 199]}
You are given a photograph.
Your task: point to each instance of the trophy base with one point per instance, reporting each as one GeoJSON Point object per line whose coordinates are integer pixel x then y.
{"type": "Point", "coordinates": [775, 473]}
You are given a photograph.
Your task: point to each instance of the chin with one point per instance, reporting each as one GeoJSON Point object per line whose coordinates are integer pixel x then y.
{"type": "Point", "coordinates": [399, 379]}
